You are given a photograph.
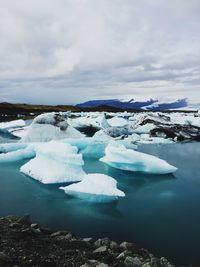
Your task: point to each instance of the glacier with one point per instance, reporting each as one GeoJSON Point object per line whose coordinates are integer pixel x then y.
{"type": "Point", "coordinates": [118, 156]}
{"type": "Point", "coordinates": [95, 187]}
{"type": "Point", "coordinates": [55, 163]}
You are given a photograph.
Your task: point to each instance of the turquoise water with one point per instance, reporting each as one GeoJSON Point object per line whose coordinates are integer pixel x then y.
{"type": "Point", "coordinates": [159, 212]}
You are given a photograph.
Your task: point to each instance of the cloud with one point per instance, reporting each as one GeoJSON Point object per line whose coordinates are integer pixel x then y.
{"type": "Point", "coordinates": [67, 51]}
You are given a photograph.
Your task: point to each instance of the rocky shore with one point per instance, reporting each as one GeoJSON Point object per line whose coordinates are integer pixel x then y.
{"type": "Point", "coordinates": [24, 243]}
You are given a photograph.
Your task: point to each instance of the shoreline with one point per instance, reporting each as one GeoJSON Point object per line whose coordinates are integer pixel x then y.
{"type": "Point", "coordinates": [26, 243]}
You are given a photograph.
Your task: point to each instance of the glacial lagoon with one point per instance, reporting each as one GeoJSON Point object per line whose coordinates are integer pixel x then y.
{"type": "Point", "coordinates": [159, 212]}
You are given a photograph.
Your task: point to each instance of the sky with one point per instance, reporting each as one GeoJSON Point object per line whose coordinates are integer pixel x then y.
{"type": "Point", "coordinates": [71, 51]}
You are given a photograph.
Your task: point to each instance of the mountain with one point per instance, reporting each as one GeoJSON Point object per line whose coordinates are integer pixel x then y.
{"type": "Point", "coordinates": [152, 104]}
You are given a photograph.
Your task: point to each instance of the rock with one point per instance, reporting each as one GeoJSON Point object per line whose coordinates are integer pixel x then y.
{"type": "Point", "coordinates": [86, 265]}
{"type": "Point", "coordinates": [101, 249]}
{"type": "Point", "coordinates": [59, 233]}
{"type": "Point", "coordinates": [102, 265]}
{"type": "Point", "coordinates": [102, 242]}
{"type": "Point", "coordinates": [124, 254]}
{"type": "Point", "coordinates": [154, 262]}
{"type": "Point", "coordinates": [36, 231]}
{"type": "Point", "coordinates": [132, 262]}
{"type": "Point", "coordinates": [126, 246]}
{"type": "Point", "coordinates": [25, 220]}
{"type": "Point", "coordinates": [147, 264]}
{"type": "Point", "coordinates": [165, 263]}
{"type": "Point", "coordinates": [61, 248]}
{"type": "Point", "coordinates": [34, 225]}
{"type": "Point", "coordinates": [14, 225]}
{"type": "Point", "coordinates": [180, 132]}
{"type": "Point", "coordinates": [4, 258]}
{"type": "Point", "coordinates": [87, 239]}
{"type": "Point", "coordinates": [114, 246]}
{"type": "Point", "coordinates": [27, 231]}
{"type": "Point", "coordinates": [68, 236]}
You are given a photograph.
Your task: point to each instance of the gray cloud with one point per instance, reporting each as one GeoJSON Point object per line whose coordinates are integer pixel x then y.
{"type": "Point", "coordinates": [67, 51]}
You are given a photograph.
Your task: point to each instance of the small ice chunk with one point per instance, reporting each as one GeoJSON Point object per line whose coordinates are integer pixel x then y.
{"type": "Point", "coordinates": [117, 122]}
{"type": "Point", "coordinates": [101, 135]}
{"type": "Point", "coordinates": [95, 187]}
{"type": "Point", "coordinates": [143, 129]}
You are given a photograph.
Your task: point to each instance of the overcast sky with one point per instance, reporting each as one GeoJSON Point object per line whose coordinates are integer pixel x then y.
{"type": "Point", "coordinates": [70, 51]}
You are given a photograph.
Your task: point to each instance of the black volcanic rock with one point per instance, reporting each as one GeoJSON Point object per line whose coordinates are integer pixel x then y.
{"type": "Point", "coordinates": [25, 244]}
{"type": "Point", "coordinates": [178, 132]}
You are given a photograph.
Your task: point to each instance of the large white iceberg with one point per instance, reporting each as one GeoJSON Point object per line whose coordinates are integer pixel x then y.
{"type": "Point", "coordinates": [118, 156]}
{"type": "Point", "coordinates": [55, 163]}
{"type": "Point", "coordinates": [95, 187]}
{"type": "Point", "coordinates": [50, 126]}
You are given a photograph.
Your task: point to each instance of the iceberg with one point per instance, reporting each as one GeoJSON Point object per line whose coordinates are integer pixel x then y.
{"type": "Point", "coordinates": [18, 132]}
{"type": "Point", "coordinates": [50, 126]}
{"type": "Point", "coordinates": [9, 147]}
{"type": "Point", "coordinates": [55, 163]}
{"type": "Point", "coordinates": [12, 124]}
{"type": "Point", "coordinates": [95, 187]}
{"type": "Point", "coordinates": [143, 129]}
{"type": "Point", "coordinates": [118, 156]}
{"type": "Point", "coordinates": [88, 121]}
{"type": "Point", "coordinates": [101, 135]}
{"type": "Point", "coordinates": [117, 122]}
{"type": "Point", "coordinates": [17, 155]}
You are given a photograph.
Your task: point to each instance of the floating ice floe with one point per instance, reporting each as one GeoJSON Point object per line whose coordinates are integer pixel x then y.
{"type": "Point", "coordinates": [95, 187]}
{"type": "Point", "coordinates": [9, 147]}
{"type": "Point", "coordinates": [147, 139]}
{"type": "Point", "coordinates": [102, 136]}
{"type": "Point", "coordinates": [50, 126]}
{"type": "Point", "coordinates": [117, 122]}
{"type": "Point", "coordinates": [12, 124]}
{"type": "Point", "coordinates": [94, 120]}
{"type": "Point", "coordinates": [88, 146]}
{"type": "Point", "coordinates": [17, 155]}
{"type": "Point", "coordinates": [142, 129]}
{"type": "Point", "coordinates": [118, 156]}
{"type": "Point", "coordinates": [18, 132]}
{"type": "Point", "coordinates": [55, 163]}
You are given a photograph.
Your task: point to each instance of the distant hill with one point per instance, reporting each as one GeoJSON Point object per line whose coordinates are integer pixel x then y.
{"type": "Point", "coordinates": [9, 111]}
{"type": "Point", "coordinates": [135, 105]}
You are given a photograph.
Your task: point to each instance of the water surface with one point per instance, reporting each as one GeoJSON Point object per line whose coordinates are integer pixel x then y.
{"type": "Point", "coordinates": [159, 212]}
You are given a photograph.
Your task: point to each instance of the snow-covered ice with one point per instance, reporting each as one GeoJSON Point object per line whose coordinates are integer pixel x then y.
{"type": "Point", "coordinates": [19, 132]}
{"type": "Point", "coordinates": [17, 155]}
{"type": "Point", "coordinates": [55, 163]}
{"type": "Point", "coordinates": [118, 156]}
{"type": "Point", "coordinates": [117, 122]}
{"type": "Point", "coordinates": [50, 126]}
{"type": "Point", "coordinates": [144, 128]}
{"type": "Point", "coordinates": [12, 124]}
{"type": "Point", "coordinates": [95, 187]}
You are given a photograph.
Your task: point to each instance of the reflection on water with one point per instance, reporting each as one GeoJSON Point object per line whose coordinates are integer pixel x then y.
{"type": "Point", "coordinates": [159, 212]}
